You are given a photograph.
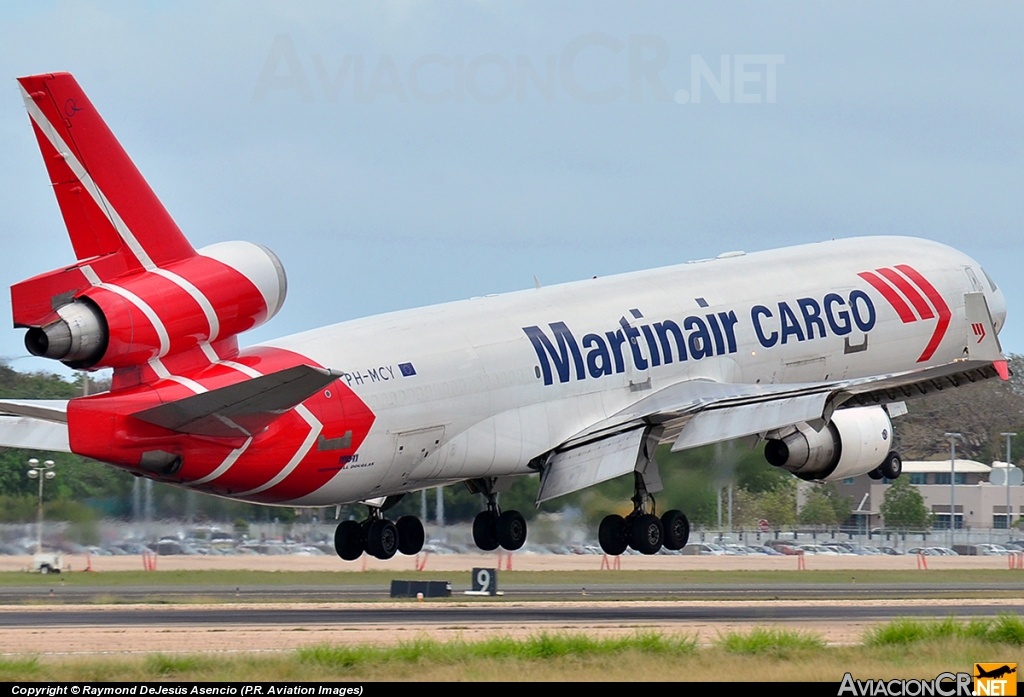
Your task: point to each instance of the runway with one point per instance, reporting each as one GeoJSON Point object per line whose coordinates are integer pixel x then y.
{"type": "Point", "coordinates": [165, 593]}
{"type": "Point", "coordinates": [489, 613]}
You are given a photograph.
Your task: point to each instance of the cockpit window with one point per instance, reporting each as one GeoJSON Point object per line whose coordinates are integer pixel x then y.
{"type": "Point", "coordinates": [991, 283]}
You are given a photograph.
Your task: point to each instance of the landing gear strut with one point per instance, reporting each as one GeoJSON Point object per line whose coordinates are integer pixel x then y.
{"type": "Point", "coordinates": [378, 536]}
{"type": "Point", "coordinates": [642, 529]}
{"type": "Point", "coordinates": [493, 528]}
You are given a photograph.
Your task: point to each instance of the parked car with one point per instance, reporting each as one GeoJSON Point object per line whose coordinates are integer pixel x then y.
{"type": "Point", "coordinates": [703, 548]}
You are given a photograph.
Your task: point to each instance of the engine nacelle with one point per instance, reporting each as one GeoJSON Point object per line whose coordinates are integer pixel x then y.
{"type": "Point", "coordinates": [854, 442]}
{"type": "Point", "coordinates": [224, 290]}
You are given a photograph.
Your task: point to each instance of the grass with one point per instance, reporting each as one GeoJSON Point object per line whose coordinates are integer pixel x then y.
{"type": "Point", "coordinates": [780, 643]}
{"type": "Point", "coordinates": [541, 647]}
{"type": "Point", "coordinates": [1005, 629]}
{"type": "Point", "coordinates": [767, 654]}
{"type": "Point", "coordinates": [761, 654]}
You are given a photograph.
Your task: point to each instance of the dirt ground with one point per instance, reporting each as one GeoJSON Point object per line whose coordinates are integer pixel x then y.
{"type": "Point", "coordinates": [58, 641]}
{"type": "Point", "coordinates": [519, 562]}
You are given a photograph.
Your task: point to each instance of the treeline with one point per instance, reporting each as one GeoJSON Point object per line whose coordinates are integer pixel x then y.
{"type": "Point", "coordinates": [693, 479]}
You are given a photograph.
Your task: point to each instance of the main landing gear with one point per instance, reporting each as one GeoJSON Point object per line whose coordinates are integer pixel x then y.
{"type": "Point", "coordinates": [493, 528]}
{"type": "Point", "coordinates": [642, 529]}
{"type": "Point", "coordinates": [378, 536]}
{"type": "Point", "coordinates": [891, 467]}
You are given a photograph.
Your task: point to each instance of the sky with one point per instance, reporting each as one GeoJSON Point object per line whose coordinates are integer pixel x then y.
{"type": "Point", "coordinates": [399, 154]}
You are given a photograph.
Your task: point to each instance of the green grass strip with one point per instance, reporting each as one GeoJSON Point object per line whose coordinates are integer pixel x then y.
{"type": "Point", "coordinates": [1005, 629]}
{"type": "Point", "coordinates": [782, 643]}
{"type": "Point", "coordinates": [544, 646]}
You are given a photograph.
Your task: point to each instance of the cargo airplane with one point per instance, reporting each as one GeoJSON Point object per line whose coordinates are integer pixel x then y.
{"type": "Point", "coordinates": [810, 350]}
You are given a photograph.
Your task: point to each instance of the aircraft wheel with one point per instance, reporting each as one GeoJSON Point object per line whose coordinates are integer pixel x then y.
{"type": "Point", "coordinates": [647, 534]}
{"type": "Point", "coordinates": [382, 538]}
{"type": "Point", "coordinates": [348, 540]}
{"type": "Point", "coordinates": [612, 535]}
{"type": "Point", "coordinates": [677, 529]}
{"type": "Point", "coordinates": [485, 532]}
{"type": "Point", "coordinates": [876, 473]}
{"type": "Point", "coordinates": [410, 535]}
{"type": "Point", "coordinates": [511, 530]}
{"type": "Point", "coordinates": [892, 466]}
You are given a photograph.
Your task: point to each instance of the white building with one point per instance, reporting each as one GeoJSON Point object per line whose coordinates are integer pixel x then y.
{"type": "Point", "coordinates": [978, 503]}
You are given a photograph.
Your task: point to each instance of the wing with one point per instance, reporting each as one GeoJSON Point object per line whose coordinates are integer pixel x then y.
{"type": "Point", "coordinates": [693, 413]}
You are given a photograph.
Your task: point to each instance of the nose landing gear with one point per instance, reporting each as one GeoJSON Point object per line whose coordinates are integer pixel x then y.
{"type": "Point", "coordinates": [493, 528]}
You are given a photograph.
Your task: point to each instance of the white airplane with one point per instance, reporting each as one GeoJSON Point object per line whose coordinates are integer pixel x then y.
{"type": "Point", "coordinates": [810, 349]}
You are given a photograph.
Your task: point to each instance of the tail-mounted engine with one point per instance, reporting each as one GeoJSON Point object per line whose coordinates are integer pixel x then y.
{"type": "Point", "coordinates": [130, 319]}
{"type": "Point", "coordinates": [854, 442]}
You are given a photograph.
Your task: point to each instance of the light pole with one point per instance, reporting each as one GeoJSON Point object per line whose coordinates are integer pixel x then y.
{"type": "Point", "coordinates": [952, 484]}
{"type": "Point", "coordinates": [1009, 517]}
{"type": "Point", "coordinates": [40, 472]}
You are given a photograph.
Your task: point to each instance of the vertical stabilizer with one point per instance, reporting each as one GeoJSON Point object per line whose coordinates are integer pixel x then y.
{"type": "Point", "coordinates": [107, 206]}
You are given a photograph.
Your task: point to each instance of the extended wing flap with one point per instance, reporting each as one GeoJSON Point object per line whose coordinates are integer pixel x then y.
{"type": "Point", "coordinates": [726, 423]}
{"type": "Point", "coordinates": [590, 463]}
{"type": "Point", "coordinates": [243, 409]}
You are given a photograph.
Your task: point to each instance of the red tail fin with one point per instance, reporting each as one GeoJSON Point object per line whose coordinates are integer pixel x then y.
{"type": "Point", "coordinates": [107, 206]}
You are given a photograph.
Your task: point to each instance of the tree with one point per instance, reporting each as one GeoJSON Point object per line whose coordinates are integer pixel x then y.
{"type": "Point", "coordinates": [777, 505]}
{"type": "Point", "coordinates": [903, 507]}
{"type": "Point", "coordinates": [980, 412]}
{"type": "Point", "coordinates": [817, 509]}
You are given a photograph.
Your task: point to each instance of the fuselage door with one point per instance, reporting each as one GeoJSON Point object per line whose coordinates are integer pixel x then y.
{"type": "Point", "coordinates": [413, 447]}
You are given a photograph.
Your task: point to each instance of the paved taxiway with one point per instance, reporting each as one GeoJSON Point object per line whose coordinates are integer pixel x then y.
{"type": "Point", "coordinates": [13, 595]}
{"type": "Point", "coordinates": [491, 613]}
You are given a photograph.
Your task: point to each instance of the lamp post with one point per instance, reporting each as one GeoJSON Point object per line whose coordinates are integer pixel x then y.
{"type": "Point", "coordinates": [1009, 517]}
{"type": "Point", "coordinates": [952, 484]}
{"type": "Point", "coordinates": [40, 472]}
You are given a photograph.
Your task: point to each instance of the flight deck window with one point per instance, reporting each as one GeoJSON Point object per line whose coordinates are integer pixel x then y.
{"type": "Point", "coordinates": [991, 283]}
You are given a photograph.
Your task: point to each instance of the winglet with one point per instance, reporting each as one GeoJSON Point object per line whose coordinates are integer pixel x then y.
{"type": "Point", "coordinates": [1003, 368]}
{"type": "Point", "coordinates": [982, 342]}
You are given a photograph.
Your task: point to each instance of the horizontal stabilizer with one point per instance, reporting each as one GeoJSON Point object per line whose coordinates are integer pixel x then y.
{"type": "Point", "coordinates": [243, 409]}
{"type": "Point", "coordinates": [33, 434]}
{"type": "Point", "coordinates": [55, 410]}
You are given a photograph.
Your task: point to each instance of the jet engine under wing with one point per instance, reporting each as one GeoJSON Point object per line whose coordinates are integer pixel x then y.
{"type": "Point", "coordinates": [242, 409]}
{"type": "Point", "coordinates": [34, 424]}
